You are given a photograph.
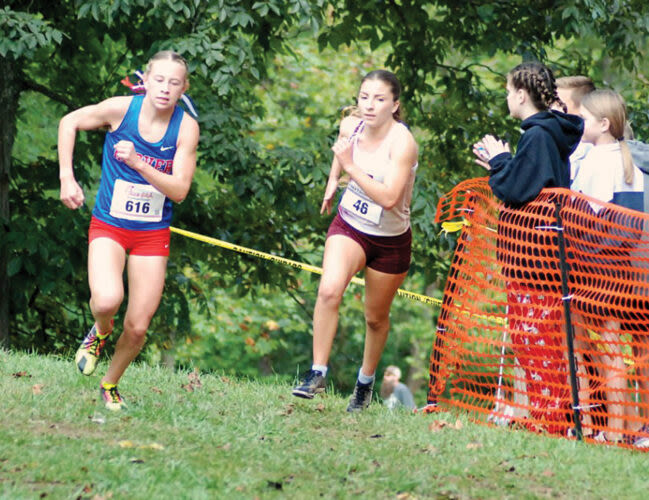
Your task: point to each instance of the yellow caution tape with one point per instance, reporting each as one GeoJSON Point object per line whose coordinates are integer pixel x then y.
{"type": "Point", "coordinates": [306, 267]}
{"type": "Point", "coordinates": [453, 226]}
{"type": "Point", "coordinates": [293, 263]}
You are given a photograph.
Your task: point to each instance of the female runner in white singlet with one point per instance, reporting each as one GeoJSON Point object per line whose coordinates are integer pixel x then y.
{"type": "Point", "coordinates": [371, 230]}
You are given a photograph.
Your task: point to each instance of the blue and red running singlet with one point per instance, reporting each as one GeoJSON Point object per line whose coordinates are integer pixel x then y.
{"type": "Point", "coordinates": [125, 199]}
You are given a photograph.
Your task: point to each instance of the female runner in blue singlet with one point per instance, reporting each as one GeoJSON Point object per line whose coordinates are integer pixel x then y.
{"type": "Point", "coordinates": [148, 162]}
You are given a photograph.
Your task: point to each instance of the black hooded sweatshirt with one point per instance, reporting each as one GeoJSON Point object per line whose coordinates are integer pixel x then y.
{"type": "Point", "coordinates": [541, 160]}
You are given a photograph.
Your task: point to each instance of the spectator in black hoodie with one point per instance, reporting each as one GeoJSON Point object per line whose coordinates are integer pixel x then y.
{"type": "Point", "coordinates": [526, 254]}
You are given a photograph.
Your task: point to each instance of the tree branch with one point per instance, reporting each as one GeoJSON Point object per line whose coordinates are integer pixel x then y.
{"type": "Point", "coordinates": [36, 87]}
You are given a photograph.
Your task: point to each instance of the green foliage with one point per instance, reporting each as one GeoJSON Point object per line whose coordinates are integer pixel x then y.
{"type": "Point", "coordinates": [102, 43]}
{"type": "Point", "coordinates": [22, 34]}
{"type": "Point", "coordinates": [269, 106]}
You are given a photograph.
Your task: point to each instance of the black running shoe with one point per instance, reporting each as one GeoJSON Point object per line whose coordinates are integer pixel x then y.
{"type": "Point", "coordinates": [312, 384]}
{"type": "Point", "coordinates": [362, 397]}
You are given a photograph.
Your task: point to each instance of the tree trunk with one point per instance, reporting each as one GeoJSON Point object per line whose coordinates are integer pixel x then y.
{"type": "Point", "coordinates": [9, 92]}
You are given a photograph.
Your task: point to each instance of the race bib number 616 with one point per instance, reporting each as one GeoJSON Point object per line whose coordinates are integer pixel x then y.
{"type": "Point", "coordinates": [141, 202]}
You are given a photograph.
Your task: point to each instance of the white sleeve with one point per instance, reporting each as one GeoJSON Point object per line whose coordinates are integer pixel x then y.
{"type": "Point", "coordinates": [595, 179]}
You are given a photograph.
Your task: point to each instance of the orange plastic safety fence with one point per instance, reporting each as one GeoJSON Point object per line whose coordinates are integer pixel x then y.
{"type": "Point", "coordinates": [501, 350]}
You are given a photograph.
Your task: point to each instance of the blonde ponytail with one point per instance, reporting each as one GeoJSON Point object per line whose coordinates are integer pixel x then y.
{"type": "Point", "coordinates": [609, 104]}
{"type": "Point", "coordinates": [627, 162]}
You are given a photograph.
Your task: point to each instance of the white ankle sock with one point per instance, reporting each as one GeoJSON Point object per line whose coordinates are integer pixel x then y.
{"type": "Point", "coordinates": [365, 379]}
{"type": "Point", "coordinates": [320, 368]}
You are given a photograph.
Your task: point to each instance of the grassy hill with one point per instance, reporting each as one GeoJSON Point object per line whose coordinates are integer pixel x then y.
{"type": "Point", "coordinates": [209, 436]}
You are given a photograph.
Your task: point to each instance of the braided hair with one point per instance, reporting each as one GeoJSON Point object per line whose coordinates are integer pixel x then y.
{"type": "Point", "coordinates": [538, 81]}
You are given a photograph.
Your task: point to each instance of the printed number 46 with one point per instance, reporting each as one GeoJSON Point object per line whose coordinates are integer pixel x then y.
{"type": "Point", "coordinates": [361, 206]}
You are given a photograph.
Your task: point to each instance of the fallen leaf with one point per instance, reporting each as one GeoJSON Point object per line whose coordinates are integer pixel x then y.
{"type": "Point", "coordinates": [458, 425]}
{"type": "Point", "coordinates": [403, 496]}
{"type": "Point", "coordinates": [37, 389]}
{"type": "Point", "coordinates": [156, 390]}
{"type": "Point", "coordinates": [194, 382]}
{"type": "Point", "coordinates": [288, 409]}
{"type": "Point", "coordinates": [151, 446]}
{"type": "Point", "coordinates": [87, 488]}
{"type": "Point", "coordinates": [194, 378]}
{"type": "Point", "coordinates": [126, 444]}
{"type": "Point", "coordinates": [107, 496]}
{"type": "Point", "coordinates": [547, 473]}
{"type": "Point", "coordinates": [473, 446]}
{"type": "Point", "coordinates": [21, 374]}
{"type": "Point", "coordinates": [436, 425]}
{"type": "Point", "coordinates": [320, 407]}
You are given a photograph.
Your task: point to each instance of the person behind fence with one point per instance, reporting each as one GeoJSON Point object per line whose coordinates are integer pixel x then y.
{"type": "Point", "coordinates": [395, 393]}
{"type": "Point", "coordinates": [534, 306]}
{"type": "Point", "coordinates": [609, 174]}
{"type": "Point", "coordinates": [149, 158]}
{"type": "Point", "coordinates": [371, 230]}
{"type": "Point", "coordinates": [571, 90]}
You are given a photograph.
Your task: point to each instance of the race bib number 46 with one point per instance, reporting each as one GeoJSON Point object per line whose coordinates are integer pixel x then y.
{"type": "Point", "coordinates": [141, 202]}
{"type": "Point", "coordinates": [363, 207]}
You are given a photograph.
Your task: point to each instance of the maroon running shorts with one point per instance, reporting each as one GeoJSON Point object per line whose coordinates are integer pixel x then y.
{"type": "Point", "coordinates": [387, 254]}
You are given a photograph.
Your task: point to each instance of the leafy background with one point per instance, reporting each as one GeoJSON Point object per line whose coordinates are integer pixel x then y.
{"type": "Point", "coordinates": [270, 79]}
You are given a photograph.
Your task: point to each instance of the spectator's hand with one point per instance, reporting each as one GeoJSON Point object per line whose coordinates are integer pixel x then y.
{"type": "Point", "coordinates": [482, 158]}
{"type": "Point", "coordinates": [494, 146]}
{"type": "Point", "coordinates": [487, 148]}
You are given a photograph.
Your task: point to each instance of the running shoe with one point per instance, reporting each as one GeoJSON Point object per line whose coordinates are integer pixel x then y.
{"type": "Point", "coordinates": [361, 398]}
{"type": "Point", "coordinates": [88, 353]}
{"type": "Point", "coordinates": [111, 397]}
{"type": "Point", "coordinates": [312, 384]}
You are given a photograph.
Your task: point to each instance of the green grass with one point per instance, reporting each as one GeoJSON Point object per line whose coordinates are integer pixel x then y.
{"type": "Point", "coordinates": [251, 439]}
